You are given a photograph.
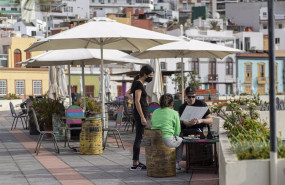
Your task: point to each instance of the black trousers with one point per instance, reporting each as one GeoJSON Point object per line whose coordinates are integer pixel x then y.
{"type": "Point", "coordinates": [139, 135]}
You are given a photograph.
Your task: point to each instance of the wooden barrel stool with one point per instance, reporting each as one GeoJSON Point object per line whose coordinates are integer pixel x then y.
{"type": "Point", "coordinates": [160, 160]}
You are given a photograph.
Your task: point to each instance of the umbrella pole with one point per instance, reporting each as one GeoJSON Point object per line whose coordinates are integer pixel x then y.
{"type": "Point", "coordinates": [102, 84]}
{"type": "Point", "coordinates": [69, 85]}
{"type": "Point", "coordinates": [182, 80]}
{"type": "Point", "coordinates": [83, 88]}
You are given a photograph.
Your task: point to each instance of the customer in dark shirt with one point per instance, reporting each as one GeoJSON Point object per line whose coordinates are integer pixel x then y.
{"type": "Point", "coordinates": [140, 111]}
{"type": "Point", "coordinates": [191, 100]}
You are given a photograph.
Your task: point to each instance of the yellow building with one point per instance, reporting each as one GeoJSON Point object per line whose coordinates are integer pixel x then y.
{"type": "Point", "coordinates": [23, 82]}
{"type": "Point", "coordinates": [92, 84]}
{"type": "Point", "coordinates": [121, 18]}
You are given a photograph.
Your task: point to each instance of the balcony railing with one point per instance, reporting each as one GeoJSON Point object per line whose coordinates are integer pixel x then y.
{"type": "Point", "coordinates": [261, 80]}
{"type": "Point", "coordinates": [212, 77]}
{"type": "Point", "coordinates": [248, 80]}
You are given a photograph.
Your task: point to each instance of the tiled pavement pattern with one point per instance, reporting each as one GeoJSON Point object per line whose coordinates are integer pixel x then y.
{"type": "Point", "coordinates": [20, 166]}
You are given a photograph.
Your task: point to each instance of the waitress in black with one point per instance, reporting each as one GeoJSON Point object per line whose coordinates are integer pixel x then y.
{"type": "Point", "coordinates": [140, 111]}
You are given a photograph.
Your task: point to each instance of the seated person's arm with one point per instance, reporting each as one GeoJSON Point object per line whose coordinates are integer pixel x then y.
{"type": "Point", "coordinates": [189, 123]}
{"type": "Point", "coordinates": [177, 128]}
{"type": "Point", "coordinates": [207, 120]}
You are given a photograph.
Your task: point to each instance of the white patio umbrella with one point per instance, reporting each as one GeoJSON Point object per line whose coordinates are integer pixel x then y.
{"type": "Point", "coordinates": [154, 89]}
{"type": "Point", "coordinates": [52, 91]}
{"type": "Point", "coordinates": [103, 33]}
{"type": "Point", "coordinates": [187, 49]}
{"type": "Point", "coordinates": [61, 82]}
{"type": "Point", "coordinates": [80, 57]}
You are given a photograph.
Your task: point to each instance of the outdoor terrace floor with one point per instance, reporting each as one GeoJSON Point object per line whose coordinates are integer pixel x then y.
{"type": "Point", "coordinates": [20, 166]}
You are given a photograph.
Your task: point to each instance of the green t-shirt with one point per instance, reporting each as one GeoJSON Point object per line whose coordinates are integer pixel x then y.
{"type": "Point", "coordinates": [166, 120]}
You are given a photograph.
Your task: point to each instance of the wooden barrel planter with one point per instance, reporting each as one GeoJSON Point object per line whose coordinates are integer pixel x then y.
{"type": "Point", "coordinates": [160, 160]}
{"type": "Point", "coordinates": [91, 136]}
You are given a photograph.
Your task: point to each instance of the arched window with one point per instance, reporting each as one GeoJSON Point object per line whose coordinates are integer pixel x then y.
{"type": "Point", "coordinates": [229, 66]}
{"type": "Point", "coordinates": [17, 57]}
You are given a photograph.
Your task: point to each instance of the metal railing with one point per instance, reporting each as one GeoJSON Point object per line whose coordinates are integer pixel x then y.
{"type": "Point", "coordinates": [212, 77]}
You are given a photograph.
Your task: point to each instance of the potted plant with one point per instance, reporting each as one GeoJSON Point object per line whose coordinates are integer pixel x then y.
{"type": "Point", "coordinates": [93, 107]}
{"type": "Point", "coordinates": [45, 108]}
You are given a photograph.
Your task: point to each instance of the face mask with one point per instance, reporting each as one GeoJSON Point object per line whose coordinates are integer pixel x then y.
{"type": "Point", "coordinates": [148, 79]}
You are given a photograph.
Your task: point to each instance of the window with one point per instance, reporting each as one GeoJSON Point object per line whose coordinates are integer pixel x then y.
{"type": "Point", "coordinates": [264, 26]}
{"type": "Point", "coordinates": [89, 90]}
{"type": "Point", "coordinates": [212, 66]}
{"type": "Point", "coordinates": [3, 87]}
{"type": "Point", "coordinates": [20, 87]}
{"type": "Point", "coordinates": [248, 72]}
{"type": "Point", "coordinates": [17, 57]}
{"type": "Point", "coordinates": [229, 66]}
{"type": "Point", "coordinates": [261, 70]}
{"type": "Point", "coordinates": [97, 65]}
{"type": "Point", "coordinates": [280, 26]}
{"type": "Point", "coordinates": [195, 65]}
{"type": "Point", "coordinates": [264, 14]}
{"type": "Point", "coordinates": [277, 40]}
{"type": "Point", "coordinates": [37, 87]}
{"type": "Point", "coordinates": [14, 9]}
{"type": "Point", "coordinates": [163, 65]}
{"type": "Point", "coordinates": [178, 66]}
{"type": "Point", "coordinates": [3, 9]}
{"type": "Point", "coordinates": [28, 55]}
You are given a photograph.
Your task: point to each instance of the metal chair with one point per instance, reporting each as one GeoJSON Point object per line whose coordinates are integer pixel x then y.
{"type": "Point", "coordinates": [115, 130]}
{"type": "Point", "coordinates": [119, 117]}
{"type": "Point", "coordinates": [74, 114]}
{"type": "Point", "coordinates": [17, 116]}
{"type": "Point", "coordinates": [128, 115]}
{"type": "Point", "coordinates": [42, 133]}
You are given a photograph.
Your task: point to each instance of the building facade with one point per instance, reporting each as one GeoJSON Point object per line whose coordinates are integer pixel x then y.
{"type": "Point", "coordinates": [23, 82]}
{"type": "Point", "coordinates": [253, 73]}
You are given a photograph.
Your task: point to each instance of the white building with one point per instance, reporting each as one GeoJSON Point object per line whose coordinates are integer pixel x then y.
{"type": "Point", "coordinates": [249, 41]}
{"type": "Point", "coordinates": [279, 33]}
{"type": "Point", "coordinates": [36, 28]}
{"type": "Point", "coordinates": [100, 8]}
{"type": "Point", "coordinates": [214, 73]}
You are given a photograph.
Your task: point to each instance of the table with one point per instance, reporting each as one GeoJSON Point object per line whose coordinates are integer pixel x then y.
{"type": "Point", "coordinates": [189, 142]}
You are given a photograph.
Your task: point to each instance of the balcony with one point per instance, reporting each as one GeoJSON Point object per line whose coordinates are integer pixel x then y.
{"type": "Point", "coordinates": [248, 80]}
{"type": "Point", "coordinates": [261, 80]}
{"type": "Point", "coordinates": [212, 77]}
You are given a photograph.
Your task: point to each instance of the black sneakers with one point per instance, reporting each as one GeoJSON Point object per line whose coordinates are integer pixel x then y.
{"type": "Point", "coordinates": [140, 166]}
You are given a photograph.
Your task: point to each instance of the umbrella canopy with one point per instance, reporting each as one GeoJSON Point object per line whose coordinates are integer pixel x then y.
{"type": "Point", "coordinates": [154, 89]}
{"type": "Point", "coordinates": [187, 49]}
{"type": "Point", "coordinates": [103, 33]}
{"type": "Point", "coordinates": [80, 57]}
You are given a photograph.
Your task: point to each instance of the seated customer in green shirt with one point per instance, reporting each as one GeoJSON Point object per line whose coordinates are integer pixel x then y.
{"type": "Point", "coordinates": [167, 120]}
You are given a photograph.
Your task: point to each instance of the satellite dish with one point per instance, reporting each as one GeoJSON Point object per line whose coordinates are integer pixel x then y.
{"type": "Point", "coordinates": [217, 15]}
